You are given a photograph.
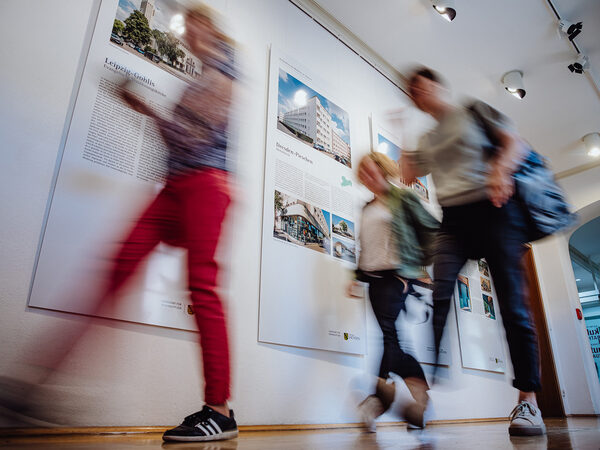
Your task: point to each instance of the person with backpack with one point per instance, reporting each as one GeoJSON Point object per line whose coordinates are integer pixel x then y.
{"type": "Point", "coordinates": [473, 185]}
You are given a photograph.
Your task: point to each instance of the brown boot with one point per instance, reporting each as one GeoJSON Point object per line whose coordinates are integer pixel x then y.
{"type": "Point", "coordinates": [414, 412]}
{"type": "Point", "coordinates": [385, 392]}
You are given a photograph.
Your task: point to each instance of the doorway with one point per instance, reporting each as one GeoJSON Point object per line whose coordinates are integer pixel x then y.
{"type": "Point", "coordinates": [584, 249]}
{"type": "Point", "coordinates": [549, 398]}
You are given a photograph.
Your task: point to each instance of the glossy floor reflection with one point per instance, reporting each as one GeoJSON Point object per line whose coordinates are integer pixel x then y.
{"type": "Point", "coordinates": [576, 433]}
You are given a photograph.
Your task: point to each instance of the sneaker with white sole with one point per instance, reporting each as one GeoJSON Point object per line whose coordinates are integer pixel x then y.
{"type": "Point", "coordinates": [369, 410]}
{"type": "Point", "coordinates": [526, 420]}
{"type": "Point", "coordinates": [204, 425]}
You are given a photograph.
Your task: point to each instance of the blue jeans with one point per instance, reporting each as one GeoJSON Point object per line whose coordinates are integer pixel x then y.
{"type": "Point", "coordinates": [480, 230]}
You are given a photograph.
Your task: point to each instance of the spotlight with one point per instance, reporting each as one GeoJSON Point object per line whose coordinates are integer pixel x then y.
{"type": "Point", "coordinates": [445, 8]}
{"type": "Point", "coordinates": [570, 29]}
{"type": "Point", "coordinates": [513, 83]}
{"type": "Point", "coordinates": [580, 65]}
{"type": "Point", "coordinates": [592, 144]}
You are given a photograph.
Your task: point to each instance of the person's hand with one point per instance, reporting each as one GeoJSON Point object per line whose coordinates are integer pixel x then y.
{"type": "Point", "coordinates": [355, 289]}
{"type": "Point", "coordinates": [501, 186]}
{"type": "Point", "coordinates": [135, 102]}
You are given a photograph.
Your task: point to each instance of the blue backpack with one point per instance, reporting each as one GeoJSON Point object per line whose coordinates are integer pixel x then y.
{"type": "Point", "coordinates": [535, 188]}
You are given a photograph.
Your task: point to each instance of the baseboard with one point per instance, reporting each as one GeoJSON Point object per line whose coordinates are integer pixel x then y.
{"type": "Point", "coordinates": [74, 431]}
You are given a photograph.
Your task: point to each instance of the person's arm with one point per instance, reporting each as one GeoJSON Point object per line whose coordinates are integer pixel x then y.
{"type": "Point", "coordinates": [135, 102]}
{"type": "Point", "coordinates": [509, 155]}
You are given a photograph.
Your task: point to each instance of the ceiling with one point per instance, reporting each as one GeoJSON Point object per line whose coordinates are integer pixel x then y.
{"type": "Point", "coordinates": [486, 39]}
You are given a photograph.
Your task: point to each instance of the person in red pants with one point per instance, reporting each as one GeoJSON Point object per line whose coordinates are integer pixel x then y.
{"type": "Point", "coordinates": [189, 212]}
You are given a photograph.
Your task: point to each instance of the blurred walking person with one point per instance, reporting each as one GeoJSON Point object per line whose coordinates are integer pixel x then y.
{"type": "Point", "coordinates": [190, 209]}
{"type": "Point", "coordinates": [472, 186]}
{"type": "Point", "coordinates": [395, 231]}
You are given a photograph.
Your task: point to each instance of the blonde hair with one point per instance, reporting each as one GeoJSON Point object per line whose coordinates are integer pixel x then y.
{"type": "Point", "coordinates": [388, 166]}
{"type": "Point", "coordinates": [204, 13]}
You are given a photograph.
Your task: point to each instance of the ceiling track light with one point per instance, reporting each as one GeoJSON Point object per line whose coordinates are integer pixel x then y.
{"type": "Point", "coordinates": [572, 30]}
{"type": "Point", "coordinates": [592, 144]}
{"type": "Point", "coordinates": [579, 65]}
{"type": "Point", "coordinates": [513, 83]}
{"type": "Point", "coordinates": [445, 8]}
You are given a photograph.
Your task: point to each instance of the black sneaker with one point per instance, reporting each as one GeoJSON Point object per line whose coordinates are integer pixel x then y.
{"type": "Point", "coordinates": [205, 425]}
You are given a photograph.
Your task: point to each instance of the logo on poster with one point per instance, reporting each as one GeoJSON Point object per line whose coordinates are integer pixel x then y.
{"type": "Point", "coordinates": [351, 337]}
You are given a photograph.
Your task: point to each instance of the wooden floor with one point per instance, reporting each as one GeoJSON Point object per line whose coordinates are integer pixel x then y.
{"type": "Point", "coordinates": [574, 433]}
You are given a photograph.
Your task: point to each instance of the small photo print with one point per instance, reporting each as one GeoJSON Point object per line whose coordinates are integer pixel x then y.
{"type": "Point", "coordinates": [464, 297]}
{"type": "Point", "coordinates": [486, 285]}
{"type": "Point", "coordinates": [484, 268]}
{"type": "Point", "coordinates": [488, 307]}
{"type": "Point", "coordinates": [342, 227]}
{"type": "Point", "coordinates": [301, 223]}
{"type": "Point", "coordinates": [344, 250]}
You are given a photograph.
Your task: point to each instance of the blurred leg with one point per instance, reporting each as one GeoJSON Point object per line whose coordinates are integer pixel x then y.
{"type": "Point", "coordinates": [447, 263]}
{"type": "Point", "coordinates": [204, 198]}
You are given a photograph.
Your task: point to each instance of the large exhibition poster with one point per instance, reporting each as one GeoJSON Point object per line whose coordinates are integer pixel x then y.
{"type": "Point", "coordinates": [112, 165]}
{"type": "Point", "coordinates": [309, 217]}
{"type": "Point", "coordinates": [476, 306]}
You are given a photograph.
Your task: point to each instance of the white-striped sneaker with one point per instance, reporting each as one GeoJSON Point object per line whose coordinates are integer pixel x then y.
{"type": "Point", "coordinates": [204, 425]}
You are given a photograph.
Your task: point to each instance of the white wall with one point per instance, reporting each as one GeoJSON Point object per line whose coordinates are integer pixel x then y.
{"type": "Point", "coordinates": [130, 374]}
{"type": "Point", "coordinates": [576, 372]}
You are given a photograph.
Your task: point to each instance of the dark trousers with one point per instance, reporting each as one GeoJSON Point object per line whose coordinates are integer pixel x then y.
{"type": "Point", "coordinates": [387, 299]}
{"type": "Point", "coordinates": [480, 230]}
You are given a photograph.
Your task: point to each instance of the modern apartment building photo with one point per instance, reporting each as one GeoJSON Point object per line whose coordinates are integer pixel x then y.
{"type": "Point", "coordinates": [311, 118]}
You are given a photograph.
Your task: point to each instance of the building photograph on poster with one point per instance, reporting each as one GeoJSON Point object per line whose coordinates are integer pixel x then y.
{"type": "Point", "coordinates": [301, 223]}
{"type": "Point", "coordinates": [486, 285]}
{"type": "Point", "coordinates": [386, 142]}
{"type": "Point", "coordinates": [151, 29]}
{"type": "Point", "coordinates": [344, 250]}
{"type": "Point", "coordinates": [484, 269]}
{"type": "Point", "coordinates": [387, 147]}
{"type": "Point", "coordinates": [464, 296]}
{"type": "Point", "coordinates": [488, 307]}
{"type": "Point", "coordinates": [313, 119]}
{"type": "Point", "coordinates": [342, 227]}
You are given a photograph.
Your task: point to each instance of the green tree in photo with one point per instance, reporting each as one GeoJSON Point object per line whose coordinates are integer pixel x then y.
{"type": "Point", "coordinates": [279, 205]}
{"type": "Point", "coordinates": [343, 226]}
{"type": "Point", "coordinates": [137, 29]}
{"type": "Point", "coordinates": [168, 46]}
{"type": "Point", "coordinates": [118, 27]}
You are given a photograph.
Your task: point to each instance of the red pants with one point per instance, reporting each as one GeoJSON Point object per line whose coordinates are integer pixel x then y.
{"type": "Point", "coordinates": [188, 213]}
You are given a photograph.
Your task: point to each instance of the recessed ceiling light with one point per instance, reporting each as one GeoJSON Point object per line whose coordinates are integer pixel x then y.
{"type": "Point", "coordinates": [513, 83]}
{"type": "Point", "coordinates": [592, 144]}
{"type": "Point", "coordinates": [445, 8]}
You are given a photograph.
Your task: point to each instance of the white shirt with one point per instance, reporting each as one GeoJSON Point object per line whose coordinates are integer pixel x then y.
{"type": "Point", "coordinates": [378, 249]}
